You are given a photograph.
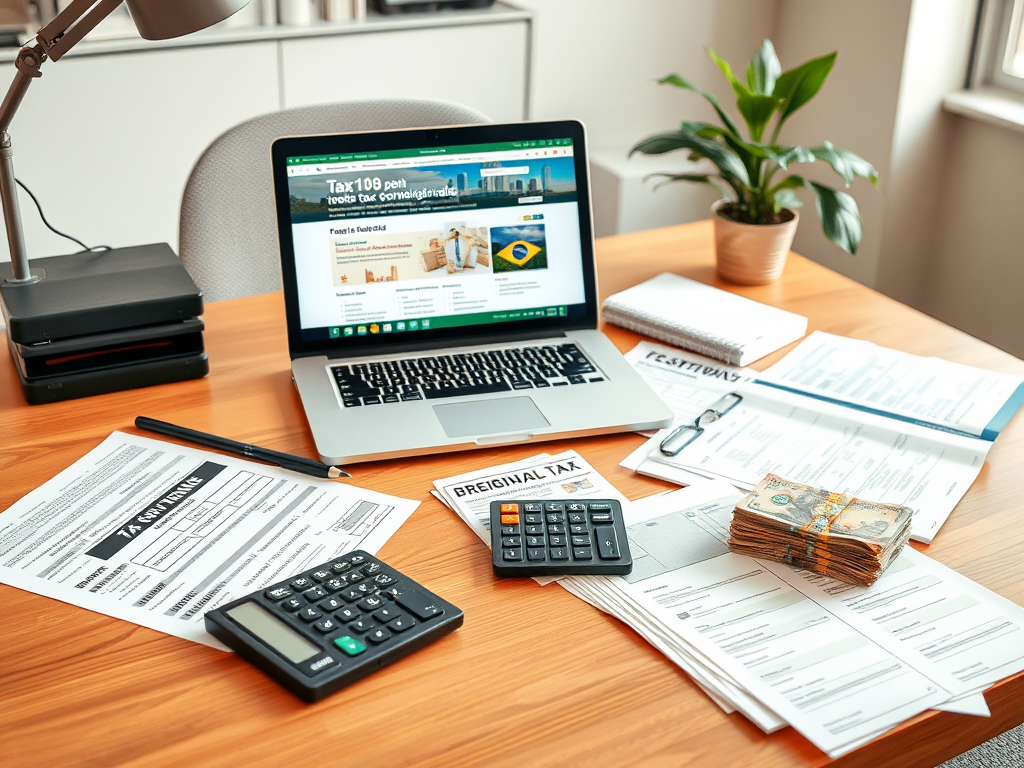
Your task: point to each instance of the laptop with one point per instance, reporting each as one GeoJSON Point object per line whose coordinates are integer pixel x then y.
{"type": "Point", "coordinates": [441, 292]}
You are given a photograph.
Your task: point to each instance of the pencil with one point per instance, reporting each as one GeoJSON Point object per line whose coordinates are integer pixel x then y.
{"type": "Point", "coordinates": [283, 460]}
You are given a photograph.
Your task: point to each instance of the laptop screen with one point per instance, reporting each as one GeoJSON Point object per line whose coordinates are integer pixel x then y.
{"type": "Point", "coordinates": [435, 239]}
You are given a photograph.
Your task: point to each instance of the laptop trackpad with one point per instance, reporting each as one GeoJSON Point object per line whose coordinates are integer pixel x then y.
{"type": "Point", "coordinates": [487, 417]}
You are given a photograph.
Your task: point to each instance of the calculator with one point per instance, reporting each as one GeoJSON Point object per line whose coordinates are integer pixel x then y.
{"type": "Point", "coordinates": [323, 629]}
{"type": "Point", "coordinates": [559, 538]}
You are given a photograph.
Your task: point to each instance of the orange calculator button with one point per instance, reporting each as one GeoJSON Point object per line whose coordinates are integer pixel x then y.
{"type": "Point", "coordinates": [509, 508]}
{"type": "Point", "coordinates": [510, 519]}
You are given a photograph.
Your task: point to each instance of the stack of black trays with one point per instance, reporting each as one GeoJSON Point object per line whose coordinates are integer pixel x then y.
{"type": "Point", "coordinates": [104, 322]}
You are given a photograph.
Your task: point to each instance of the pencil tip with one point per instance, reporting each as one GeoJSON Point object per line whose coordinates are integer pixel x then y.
{"type": "Point", "coordinates": [335, 472]}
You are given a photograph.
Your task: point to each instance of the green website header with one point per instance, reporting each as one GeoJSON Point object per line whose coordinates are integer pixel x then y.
{"type": "Point", "coordinates": [462, 149]}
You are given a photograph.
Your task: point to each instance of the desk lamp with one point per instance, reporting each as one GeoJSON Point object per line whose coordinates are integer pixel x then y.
{"type": "Point", "coordinates": [155, 20]}
{"type": "Point", "coordinates": [92, 322]}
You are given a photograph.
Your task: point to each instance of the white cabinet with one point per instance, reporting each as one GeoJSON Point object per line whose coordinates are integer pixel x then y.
{"type": "Point", "coordinates": [107, 142]}
{"type": "Point", "coordinates": [107, 137]}
{"type": "Point", "coordinates": [481, 66]}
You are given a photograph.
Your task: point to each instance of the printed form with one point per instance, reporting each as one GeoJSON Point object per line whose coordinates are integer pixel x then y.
{"type": "Point", "coordinates": [925, 389]}
{"type": "Point", "coordinates": [815, 442]}
{"type": "Point", "coordinates": [158, 534]}
{"type": "Point", "coordinates": [840, 664]}
{"type": "Point", "coordinates": [688, 383]}
{"type": "Point", "coordinates": [564, 476]}
{"type": "Point", "coordinates": [850, 447]}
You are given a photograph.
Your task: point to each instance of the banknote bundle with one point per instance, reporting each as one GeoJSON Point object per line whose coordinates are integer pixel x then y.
{"type": "Point", "coordinates": [831, 533]}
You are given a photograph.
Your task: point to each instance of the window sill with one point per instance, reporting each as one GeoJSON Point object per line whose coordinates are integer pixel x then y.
{"type": "Point", "coordinates": [991, 105]}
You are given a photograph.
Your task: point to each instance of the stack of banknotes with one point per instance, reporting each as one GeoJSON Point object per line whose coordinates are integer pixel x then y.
{"type": "Point", "coordinates": [849, 539]}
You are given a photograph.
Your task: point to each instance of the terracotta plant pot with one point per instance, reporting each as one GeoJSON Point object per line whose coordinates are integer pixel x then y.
{"type": "Point", "coordinates": [751, 254]}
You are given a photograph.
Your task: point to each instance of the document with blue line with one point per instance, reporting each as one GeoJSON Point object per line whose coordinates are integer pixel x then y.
{"type": "Point", "coordinates": [924, 390]}
{"type": "Point", "coordinates": [856, 418]}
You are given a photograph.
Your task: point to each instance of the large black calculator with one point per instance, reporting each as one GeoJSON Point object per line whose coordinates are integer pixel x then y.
{"type": "Point", "coordinates": [553, 537]}
{"type": "Point", "coordinates": [323, 629]}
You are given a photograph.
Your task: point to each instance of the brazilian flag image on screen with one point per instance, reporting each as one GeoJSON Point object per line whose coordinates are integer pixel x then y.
{"type": "Point", "coordinates": [520, 248]}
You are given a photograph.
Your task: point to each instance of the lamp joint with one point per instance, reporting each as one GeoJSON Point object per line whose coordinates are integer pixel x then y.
{"type": "Point", "coordinates": [30, 59]}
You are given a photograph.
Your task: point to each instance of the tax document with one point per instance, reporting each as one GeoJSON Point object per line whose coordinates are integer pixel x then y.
{"type": "Point", "coordinates": [688, 383]}
{"type": "Point", "coordinates": [564, 476]}
{"type": "Point", "coordinates": [963, 636]}
{"type": "Point", "coordinates": [811, 441]}
{"type": "Point", "coordinates": [602, 593]}
{"type": "Point", "coordinates": [923, 389]}
{"type": "Point", "coordinates": [829, 679]}
{"type": "Point", "coordinates": [158, 534]}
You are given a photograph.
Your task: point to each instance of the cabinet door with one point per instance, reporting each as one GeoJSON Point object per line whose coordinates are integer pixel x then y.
{"type": "Point", "coordinates": [482, 66]}
{"type": "Point", "coordinates": [107, 142]}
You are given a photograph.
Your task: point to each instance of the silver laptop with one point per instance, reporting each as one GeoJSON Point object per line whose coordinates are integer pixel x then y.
{"type": "Point", "coordinates": [441, 291]}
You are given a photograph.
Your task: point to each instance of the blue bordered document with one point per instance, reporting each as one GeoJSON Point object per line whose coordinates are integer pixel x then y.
{"type": "Point", "coordinates": [927, 391]}
{"type": "Point", "coordinates": [849, 415]}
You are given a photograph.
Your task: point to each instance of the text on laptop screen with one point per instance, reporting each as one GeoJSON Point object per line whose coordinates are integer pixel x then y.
{"type": "Point", "coordinates": [404, 240]}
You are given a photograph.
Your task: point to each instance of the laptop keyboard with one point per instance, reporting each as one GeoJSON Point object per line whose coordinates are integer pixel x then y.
{"type": "Point", "coordinates": [472, 373]}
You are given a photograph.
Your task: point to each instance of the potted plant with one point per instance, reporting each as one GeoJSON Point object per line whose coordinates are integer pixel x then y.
{"type": "Point", "coordinates": [755, 220]}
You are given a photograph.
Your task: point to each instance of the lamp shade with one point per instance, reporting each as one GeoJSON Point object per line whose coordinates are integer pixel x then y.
{"type": "Point", "coordinates": [161, 19]}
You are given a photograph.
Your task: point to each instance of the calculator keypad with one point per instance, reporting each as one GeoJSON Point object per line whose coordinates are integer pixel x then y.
{"type": "Point", "coordinates": [561, 537]}
{"type": "Point", "coordinates": [355, 608]}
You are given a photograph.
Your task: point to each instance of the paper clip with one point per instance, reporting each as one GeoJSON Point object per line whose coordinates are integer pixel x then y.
{"type": "Point", "coordinates": [690, 432]}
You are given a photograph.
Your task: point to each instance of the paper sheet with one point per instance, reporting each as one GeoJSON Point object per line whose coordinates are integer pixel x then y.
{"type": "Point", "coordinates": [688, 383]}
{"type": "Point", "coordinates": [969, 704]}
{"type": "Point", "coordinates": [810, 441]}
{"type": "Point", "coordinates": [566, 475]}
{"type": "Point", "coordinates": [158, 534]}
{"type": "Point", "coordinates": [924, 389]}
{"type": "Point", "coordinates": [818, 673]}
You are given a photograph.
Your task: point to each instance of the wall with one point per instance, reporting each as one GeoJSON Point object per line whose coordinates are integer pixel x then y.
{"type": "Point", "coordinates": [934, 64]}
{"type": "Point", "coordinates": [856, 109]}
{"type": "Point", "coordinates": [599, 60]}
{"type": "Point", "coordinates": [975, 274]}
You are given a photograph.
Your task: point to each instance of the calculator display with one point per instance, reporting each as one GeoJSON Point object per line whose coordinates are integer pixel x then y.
{"type": "Point", "coordinates": [274, 632]}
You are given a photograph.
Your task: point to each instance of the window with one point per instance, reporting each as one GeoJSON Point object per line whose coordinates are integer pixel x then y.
{"type": "Point", "coordinates": [999, 58]}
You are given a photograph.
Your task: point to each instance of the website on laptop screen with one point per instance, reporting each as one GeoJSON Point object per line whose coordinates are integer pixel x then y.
{"type": "Point", "coordinates": [405, 240]}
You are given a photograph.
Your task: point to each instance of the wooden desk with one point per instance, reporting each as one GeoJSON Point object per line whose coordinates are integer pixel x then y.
{"type": "Point", "coordinates": [534, 677]}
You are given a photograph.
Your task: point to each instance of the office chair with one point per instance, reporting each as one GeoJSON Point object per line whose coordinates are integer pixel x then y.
{"type": "Point", "coordinates": [228, 225]}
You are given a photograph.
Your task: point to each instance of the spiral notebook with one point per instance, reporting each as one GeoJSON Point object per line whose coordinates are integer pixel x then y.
{"type": "Point", "coordinates": [703, 319]}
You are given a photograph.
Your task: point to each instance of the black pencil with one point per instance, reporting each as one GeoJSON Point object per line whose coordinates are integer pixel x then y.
{"type": "Point", "coordinates": [283, 460]}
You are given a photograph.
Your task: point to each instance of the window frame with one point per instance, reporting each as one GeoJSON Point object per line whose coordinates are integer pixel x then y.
{"type": "Point", "coordinates": [998, 20]}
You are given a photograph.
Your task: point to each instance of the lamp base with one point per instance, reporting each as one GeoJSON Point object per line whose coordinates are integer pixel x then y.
{"type": "Point", "coordinates": [101, 379]}
{"type": "Point", "coordinates": [87, 293]}
{"type": "Point", "coordinates": [103, 322]}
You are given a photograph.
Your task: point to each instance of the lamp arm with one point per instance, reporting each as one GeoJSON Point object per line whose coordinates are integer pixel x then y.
{"type": "Point", "coordinates": [52, 41]}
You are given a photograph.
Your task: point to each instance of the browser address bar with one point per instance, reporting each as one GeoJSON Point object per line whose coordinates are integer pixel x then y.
{"type": "Point", "coordinates": [512, 170]}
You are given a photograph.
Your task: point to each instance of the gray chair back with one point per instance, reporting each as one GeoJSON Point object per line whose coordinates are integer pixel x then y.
{"type": "Point", "coordinates": [227, 232]}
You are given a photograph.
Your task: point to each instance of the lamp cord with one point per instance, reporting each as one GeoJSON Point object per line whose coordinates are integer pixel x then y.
{"type": "Point", "coordinates": [56, 231]}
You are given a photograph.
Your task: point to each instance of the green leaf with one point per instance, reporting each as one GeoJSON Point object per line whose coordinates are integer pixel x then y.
{"type": "Point", "coordinates": [787, 199]}
{"type": "Point", "coordinates": [784, 156]}
{"type": "Point", "coordinates": [737, 84]}
{"type": "Point", "coordinates": [790, 182]}
{"type": "Point", "coordinates": [680, 82]}
{"type": "Point", "coordinates": [727, 161]}
{"type": "Point", "coordinates": [764, 69]}
{"type": "Point", "coordinates": [797, 86]}
{"type": "Point", "coordinates": [839, 163]}
{"type": "Point", "coordinates": [707, 130]}
{"type": "Point", "coordinates": [757, 111]}
{"type": "Point", "coordinates": [840, 218]}
{"type": "Point", "coordinates": [846, 163]}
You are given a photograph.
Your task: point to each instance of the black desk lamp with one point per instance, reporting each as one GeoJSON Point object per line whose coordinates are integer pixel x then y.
{"type": "Point", "coordinates": [93, 322]}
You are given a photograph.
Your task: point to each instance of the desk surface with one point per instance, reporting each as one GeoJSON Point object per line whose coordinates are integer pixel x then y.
{"type": "Point", "coordinates": [535, 676]}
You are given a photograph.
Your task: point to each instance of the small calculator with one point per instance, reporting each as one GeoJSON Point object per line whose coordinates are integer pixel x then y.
{"type": "Point", "coordinates": [320, 630]}
{"type": "Point", "coordinates": [559, 538]}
